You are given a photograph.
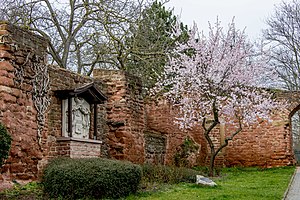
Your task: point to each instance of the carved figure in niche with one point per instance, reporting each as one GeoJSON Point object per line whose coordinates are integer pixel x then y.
{"type": "Point", "coordinates": [81, 118]}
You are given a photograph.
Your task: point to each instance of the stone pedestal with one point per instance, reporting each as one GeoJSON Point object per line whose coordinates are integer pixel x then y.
{"type": "Point", "coordinates": [78, 148]}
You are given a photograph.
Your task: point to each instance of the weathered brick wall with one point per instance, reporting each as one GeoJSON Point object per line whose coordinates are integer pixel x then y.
{"type": "Point", "coordinates": [264, 144]}
{"type": "Point", "coordinates": [125, 115]}
{"type": "Point", "coordinates": [62, 79]}
{"type": "Point", "coordinates": [78, 148]}
{"type": "Point", "coordinates": [160, 119]}
{"type": "Point", "coordinates": [129, 128]}
{"type": "Point", "coordinates": [19, 50]}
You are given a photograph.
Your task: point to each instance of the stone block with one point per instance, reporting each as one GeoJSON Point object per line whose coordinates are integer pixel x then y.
{"type": "Point", "coordinates": [4, 25]}
{"type": "Point", "coordinates": [5, 65]}
{"type": "Point", "coordinates": [6, 89]}
{"type": "Point", "coordinates": [25, 176]}
{"type": "Point", "coordinates": [7, 98]}
{"type": "Point", "coordinates": [6, 81]}
{"type": "Point", "coordinates": [20, 60]}
{"type": "Point", "coordinates": [17, 168]}
{"type": "Point", "coordinates": [4, 73]}
{"type": "Point", "coordinates": [201, 180]}
{"type": "Point", "coordinates": [5, 47]}
{"type": "Point", "coordinates": [5, 54]}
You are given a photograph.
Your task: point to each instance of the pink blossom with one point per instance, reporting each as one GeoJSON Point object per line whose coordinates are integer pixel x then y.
{"type": "Point", "coordinates": [221, 75]}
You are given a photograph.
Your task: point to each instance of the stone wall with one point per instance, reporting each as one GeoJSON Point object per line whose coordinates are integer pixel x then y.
{"type": "Point", "coordinates": [62, 79]}
{"type": "Point", "coordinates": [263, 144]}
{"type": "Point", "coordinates": [266, 144]}
{"type": "Point", "coordinates": [77, 148]}
{"type": "Point", "coordinates": [125, 115]}
{"type": "Point", "coordinates": [20, 52]}
{"type": "Point", "coordinates": [160, 120]}
{"type": "Point", "coordinates": [128, 128]}
{"type": "Point", "coordinates": [37, 135]}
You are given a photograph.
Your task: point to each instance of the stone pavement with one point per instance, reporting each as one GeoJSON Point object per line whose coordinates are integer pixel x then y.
{"type": "Point", "coordinates": [293, 192]}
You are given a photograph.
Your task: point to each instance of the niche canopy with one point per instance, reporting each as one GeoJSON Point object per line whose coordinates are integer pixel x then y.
{"type": "Point", "coordinates": [76, 110]}
{"type": "Point", "coordinates": [89, 92]}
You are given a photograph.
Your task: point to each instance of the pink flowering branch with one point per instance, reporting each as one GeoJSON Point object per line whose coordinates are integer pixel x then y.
{"type": "Point", "coordinates": [219, 76]}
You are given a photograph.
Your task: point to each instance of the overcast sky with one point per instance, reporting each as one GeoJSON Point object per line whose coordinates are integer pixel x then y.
{"type": "Point", "coordinates": [249, 14]}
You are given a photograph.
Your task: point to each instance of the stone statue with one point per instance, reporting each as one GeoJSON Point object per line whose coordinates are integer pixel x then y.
{"type": "Point", "coordinates": [81, 118]}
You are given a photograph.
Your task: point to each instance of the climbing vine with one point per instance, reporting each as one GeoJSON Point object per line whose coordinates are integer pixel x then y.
{"type": "Point", "coordinates": [40, 92]}
{"type": "Point", "coordinates": [39, 79]}
{"type": "Point", "coordinates": [34, 68]}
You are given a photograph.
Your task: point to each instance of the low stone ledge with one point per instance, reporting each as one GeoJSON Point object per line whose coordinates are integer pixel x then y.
{"type": "Point", "coordinates": [77, 147]}
{"type": "Point", "coordinates": [65, 139]}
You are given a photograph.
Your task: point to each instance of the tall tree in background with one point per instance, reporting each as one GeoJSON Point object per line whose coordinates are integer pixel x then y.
{"type": "Point", "coordinates": [216, 81]}
{"type": "Point", "coordinates": [151, 41]}
{"type": "Point", "coordinates": [283, 33]}
{"type": "Point", "coordinates": [83, 34]}
{"type": "Point", "coordinates": [134, 36]}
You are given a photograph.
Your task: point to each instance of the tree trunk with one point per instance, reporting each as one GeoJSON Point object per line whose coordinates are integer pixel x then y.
{"type": "Point", "coordinates": [211, 169]}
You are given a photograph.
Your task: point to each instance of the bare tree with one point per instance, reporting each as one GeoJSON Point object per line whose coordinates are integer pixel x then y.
{"type": "Point", "coordinates": [83, 34]}
{"type": "Point", "coordinates": [283, 34]}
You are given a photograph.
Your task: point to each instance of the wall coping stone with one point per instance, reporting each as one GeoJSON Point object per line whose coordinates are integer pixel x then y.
{"type": "Point", "coordinates": [63, 139]}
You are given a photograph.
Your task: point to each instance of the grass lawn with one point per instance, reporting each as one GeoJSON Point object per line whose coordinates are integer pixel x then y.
{"type": "Point", "coordinates": [234, 184]}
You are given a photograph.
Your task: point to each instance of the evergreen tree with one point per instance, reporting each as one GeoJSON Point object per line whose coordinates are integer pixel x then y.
{"type": "Point", "coordinates": [152, 39]}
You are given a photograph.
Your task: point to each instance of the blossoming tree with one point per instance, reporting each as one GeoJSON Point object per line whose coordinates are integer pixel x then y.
{"type": "Point", "coordinates": [215, 78]}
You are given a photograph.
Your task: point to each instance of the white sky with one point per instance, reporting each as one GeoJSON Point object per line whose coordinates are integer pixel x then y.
{"type": "Point", "coordinates": [249, 14]}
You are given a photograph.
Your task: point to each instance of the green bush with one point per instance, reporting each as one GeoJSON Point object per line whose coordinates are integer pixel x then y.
{"type": "Point", "coordinates": [168, 174]}
{"type": "Point", "coordinates": [184, 151]}
{"type": "Point", "coordinates": [5, 142]}
{"type": "Point", "coordinates": [90, 177]}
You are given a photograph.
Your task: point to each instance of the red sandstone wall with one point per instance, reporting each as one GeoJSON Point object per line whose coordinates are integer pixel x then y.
{"type": "Point", "coordinates": [160, 118]}
{"type": "Point", "coordinates": [125, 115]}
{"type": "Point", "coordinates": [124, 119]}
{"type": "Point", "coordinates": [62, 79]}
{"type": "Point", "coordinates": [18, 48]}
{"type": "Point", "coordinates": [265, 144]}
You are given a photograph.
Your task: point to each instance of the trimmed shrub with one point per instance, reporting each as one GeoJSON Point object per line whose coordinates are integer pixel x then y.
{"type": "Point", "coordinates": [168, 174]}
{"type": "Point", "coordinates": [90, 177]}
{"type": "Point", "coordinates": [5, 142]}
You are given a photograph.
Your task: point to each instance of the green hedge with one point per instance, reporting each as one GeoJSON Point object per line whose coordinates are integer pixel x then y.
{"type": "Point", "coordinates": [93, 177]}
{"type": "Point", "coordinates": [5, 142]}
{"type": "Point", "coordinates": [168, 174]}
